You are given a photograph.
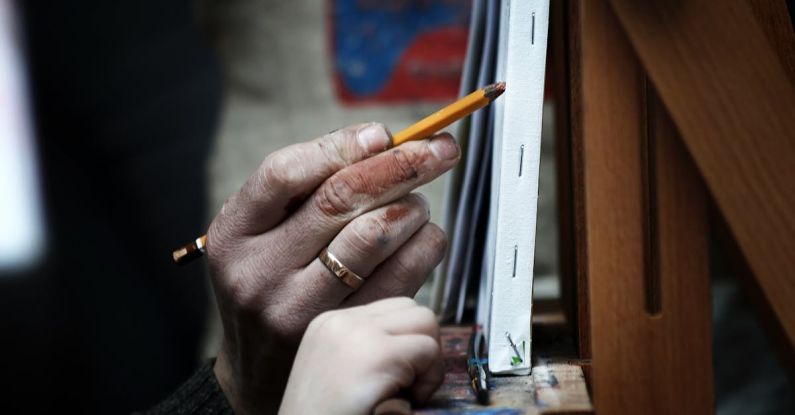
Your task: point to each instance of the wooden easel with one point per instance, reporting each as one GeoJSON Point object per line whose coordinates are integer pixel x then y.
{"type": "Point", "coordinates": [667, 107]}
{"type": "Point", "coordinates": [674, 119]}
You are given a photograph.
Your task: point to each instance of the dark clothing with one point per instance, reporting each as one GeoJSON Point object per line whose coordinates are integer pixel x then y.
{"type": "Point", "coordinates": [126, 99]}
{"type": "Point", "coordinates": [200, 395]}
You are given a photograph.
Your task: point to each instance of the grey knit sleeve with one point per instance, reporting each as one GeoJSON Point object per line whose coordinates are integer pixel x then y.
{"type": "Point", "coordinates": [199, 395]}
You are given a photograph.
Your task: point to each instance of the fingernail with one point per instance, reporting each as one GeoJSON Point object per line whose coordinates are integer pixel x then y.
{"type": "Point", "coordinates": [444, 147]}
{"type": "Point", "coordinates": [374, 137]}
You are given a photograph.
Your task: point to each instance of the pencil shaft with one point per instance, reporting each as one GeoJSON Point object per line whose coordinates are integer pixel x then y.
{"type": "Point", "coordinates": [442, 118]}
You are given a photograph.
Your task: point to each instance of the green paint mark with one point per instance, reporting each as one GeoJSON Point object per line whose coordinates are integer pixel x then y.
{"type": "Point", "coordinates": [517, 360]}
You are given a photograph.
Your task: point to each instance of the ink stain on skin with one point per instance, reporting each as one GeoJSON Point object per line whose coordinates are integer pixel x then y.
{"type": "Point", "coordinates": [383, 240]}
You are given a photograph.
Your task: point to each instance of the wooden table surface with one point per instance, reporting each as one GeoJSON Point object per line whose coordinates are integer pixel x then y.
{"type": "Point", "coordinates": [556, 385]}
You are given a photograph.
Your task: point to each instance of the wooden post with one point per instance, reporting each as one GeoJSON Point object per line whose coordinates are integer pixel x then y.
{"type": "Point", "coordinates": [645, 235]}
{"type": "Point", "coordinates": [730, 94]}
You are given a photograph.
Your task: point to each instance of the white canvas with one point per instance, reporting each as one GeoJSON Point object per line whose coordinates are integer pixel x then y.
{"type": "Point", "coordinates": [522, 58]}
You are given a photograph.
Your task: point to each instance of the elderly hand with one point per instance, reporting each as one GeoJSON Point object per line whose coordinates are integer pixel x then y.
{"type": "Point", "coordinates": [346, 191]}
{"type": "Point", "coordinates": [352, 359]}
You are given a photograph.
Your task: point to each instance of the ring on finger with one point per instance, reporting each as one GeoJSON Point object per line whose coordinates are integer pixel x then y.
{"type": "Point", "coordinates": [350, 278]}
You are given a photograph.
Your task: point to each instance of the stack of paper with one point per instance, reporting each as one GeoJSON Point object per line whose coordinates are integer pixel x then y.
{"type": "Point", "coordinates": [492, 199]}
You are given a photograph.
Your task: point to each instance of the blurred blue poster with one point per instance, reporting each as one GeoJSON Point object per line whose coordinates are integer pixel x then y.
{"type": "Point", "coordinates": [397, 50]}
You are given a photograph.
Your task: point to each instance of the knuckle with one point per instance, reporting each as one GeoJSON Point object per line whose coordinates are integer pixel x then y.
{"type": "Point", "coordinates": [335, 197]}
{"type": "Point", "coordinates": [280, 171]}
{"type": "Point", "coordinates": [404, 164]}
{"type": "Point", "coordinates": [245, 300]}
{"type": "Point", "coordinates": [368, 233]}
{"type": "Point", "coordinates": [404, 272]}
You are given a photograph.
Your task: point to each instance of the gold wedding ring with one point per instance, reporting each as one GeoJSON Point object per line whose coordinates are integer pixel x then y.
{"type": "Point", "coordinates": [341, 271]}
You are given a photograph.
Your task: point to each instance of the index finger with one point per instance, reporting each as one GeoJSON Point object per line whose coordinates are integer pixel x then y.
{"type": "Point", "coordinates": [286, 177]}
{"type": "Point", "coordinates": [357, 189]}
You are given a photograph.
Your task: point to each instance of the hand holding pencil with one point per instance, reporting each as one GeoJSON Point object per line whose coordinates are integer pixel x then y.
{"type": "Point", "coordinates": [422, 129]}
{"type": "Point", "coordinates": [327, 224]}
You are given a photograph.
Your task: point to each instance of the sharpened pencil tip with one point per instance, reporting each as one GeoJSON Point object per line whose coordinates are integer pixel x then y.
{"type": "Point", "coordinates": [494, 90]}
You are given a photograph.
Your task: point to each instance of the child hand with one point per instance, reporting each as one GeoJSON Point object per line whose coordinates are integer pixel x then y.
{"type": "Point", "coordinates": [352, 359]}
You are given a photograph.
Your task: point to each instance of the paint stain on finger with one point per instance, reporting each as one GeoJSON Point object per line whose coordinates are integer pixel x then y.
{"type": "Point", "coordinates": [392, 215]}
{"type": "Point", "coordinates": [396, 213]}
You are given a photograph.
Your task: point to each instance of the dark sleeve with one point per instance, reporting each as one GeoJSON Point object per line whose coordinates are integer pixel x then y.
{"type": "Point", "coordinates": [199, 395]}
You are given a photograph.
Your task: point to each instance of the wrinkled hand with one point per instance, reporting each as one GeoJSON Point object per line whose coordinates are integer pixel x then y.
{"type": "Point", "coordinates": [352, 359]}
{"type": "Point", "coordinates": [345, 190]}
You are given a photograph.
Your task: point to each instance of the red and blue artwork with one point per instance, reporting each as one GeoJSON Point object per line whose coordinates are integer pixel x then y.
{"type": "Point", "coordinates": [398, 50]}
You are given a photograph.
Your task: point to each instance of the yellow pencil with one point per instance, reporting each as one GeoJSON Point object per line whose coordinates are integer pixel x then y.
{"type": "Point", "coordinates": [424, 128]}
{"type": "Point", "coordinates": [427, 126]}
